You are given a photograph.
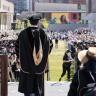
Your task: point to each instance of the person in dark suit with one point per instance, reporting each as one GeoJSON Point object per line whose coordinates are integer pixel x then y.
{"type": "Point", "coordinates": [56, 42]}
{"type": "Point", "coordinates": [32, 48]}
{"type": "Point", "coordinates": [66, 65]}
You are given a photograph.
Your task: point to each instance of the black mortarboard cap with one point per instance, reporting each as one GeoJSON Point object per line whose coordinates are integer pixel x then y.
{"type": "Point", "coordinates": [35, 17]}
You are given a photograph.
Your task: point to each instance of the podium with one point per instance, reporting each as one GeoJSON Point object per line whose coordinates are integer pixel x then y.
{"type": "Point", "coordinates": [3, 75]}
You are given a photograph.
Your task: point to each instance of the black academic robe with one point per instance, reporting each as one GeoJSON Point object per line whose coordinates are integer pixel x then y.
{"type": "Point", "coordinates": [31, 76]}
{"type": "Point", "coordinates": [82, 78]}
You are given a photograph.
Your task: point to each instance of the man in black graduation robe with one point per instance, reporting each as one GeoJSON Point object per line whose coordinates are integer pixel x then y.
{"type": "Point", "coordinates": [31, 81]}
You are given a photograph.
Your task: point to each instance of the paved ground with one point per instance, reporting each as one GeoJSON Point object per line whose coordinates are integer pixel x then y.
{"type": "Point", "coordinates": [51, 89]}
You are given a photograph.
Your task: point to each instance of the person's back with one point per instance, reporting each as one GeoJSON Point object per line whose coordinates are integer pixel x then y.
{"type": "Point", "coordinates": [32, 48]}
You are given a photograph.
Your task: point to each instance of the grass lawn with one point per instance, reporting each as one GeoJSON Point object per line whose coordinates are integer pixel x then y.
{"type": "Point", "coordinates": [56, 60]}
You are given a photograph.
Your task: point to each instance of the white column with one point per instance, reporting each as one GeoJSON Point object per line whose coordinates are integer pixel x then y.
{"type": "Point", "coordinates": [1, 21]}
{"type": "Point", "coordinates": [8, 21]}
{"type": "Point", "coordinates": [4, 23]}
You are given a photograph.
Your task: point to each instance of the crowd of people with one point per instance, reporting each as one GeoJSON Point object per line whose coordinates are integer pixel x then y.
{"type": "Point", "coordinates": [82, 47]}
{"type": "Point", "coordinates": [80, 39]}
{"type": "Point", "coordinates": [77, 41]}
{"type": "Point", "coordinates": [7, 47]}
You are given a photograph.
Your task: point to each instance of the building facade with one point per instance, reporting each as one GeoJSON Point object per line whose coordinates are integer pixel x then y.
{"type": "Point", "coordinates": [56, 10]}
{"type": "Point", "coordinates": [44, 1]}
{"type": "Point", "coordinates": [77, 1]}
{"type": "Point", "coordinates": [6, 15]}
{"type": "Point", "coordinates": [20, 5]}
{"type": "Point", "coordinates": [64, 1]}
{"type": "Point", "coordinates": [77, 16]}
{"type": "Point", "coordinates": [91, 6]}
{"type": "Point", "coordinates": [60, 1]}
